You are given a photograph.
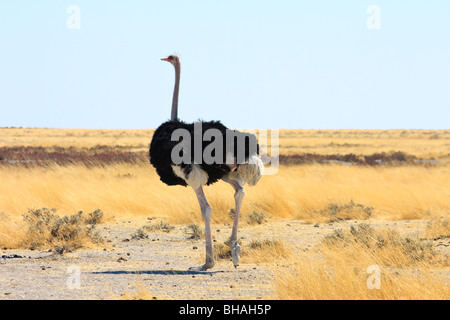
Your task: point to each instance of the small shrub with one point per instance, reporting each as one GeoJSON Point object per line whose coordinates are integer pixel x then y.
{"type": "Point", "coordinates": [261, 244]}
{"type": "Point", "coordinates": [256, 217]}
{"type": "Point", "coordinates": [94, 217]}
{"type": "Point", "coordinates": [140, 234]}
{"type": "Point", "coordinates": [231, 213]}
{"type": "Point", "coordinates": [434, 137]}
{"type": "Point", "coordinates": [67, 233]}
{"type": "Point", "coordinates": [252, 218]}
{"type": "Point", "coordinates": [161, 226]}
{"type": "Point", "coordinates": [338, 212]}
{"type": "Point", "coordinates": [196, 233]}
{"type": "Point", "coordinates": [222, 251]}
{"type": "Point", "coordinates": [336, 237]}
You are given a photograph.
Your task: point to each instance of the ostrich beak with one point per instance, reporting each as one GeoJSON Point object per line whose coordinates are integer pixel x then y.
{"type": "Point", "coordinates": [165, 59]}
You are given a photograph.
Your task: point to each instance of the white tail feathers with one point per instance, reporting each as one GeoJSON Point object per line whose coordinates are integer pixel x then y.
{"type": "Point", "coordinates": [250, 172]}
{"type": "Point", "coordinates": [196, 177]}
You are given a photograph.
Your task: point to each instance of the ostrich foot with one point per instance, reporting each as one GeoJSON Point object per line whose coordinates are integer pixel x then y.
{"type": "Point", "coordinates": [206, 266]}
{"type": "Point", "coordinates": [235, 252]}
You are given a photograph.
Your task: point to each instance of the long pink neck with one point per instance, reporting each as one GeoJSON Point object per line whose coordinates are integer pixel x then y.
{"type": "Point", "coordinates": [174, 113]}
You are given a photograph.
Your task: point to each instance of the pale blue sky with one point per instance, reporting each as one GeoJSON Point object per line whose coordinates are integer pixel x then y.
{"type": "Point", "coordinates": [251, 64]}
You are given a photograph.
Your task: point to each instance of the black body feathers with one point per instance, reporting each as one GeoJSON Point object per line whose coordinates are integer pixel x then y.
{"type": "Point", "coordinates": [162, 145]}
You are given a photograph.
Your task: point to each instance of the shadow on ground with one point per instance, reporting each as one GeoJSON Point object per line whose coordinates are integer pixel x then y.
{"type": "Point", "coordinates": [160, 272]}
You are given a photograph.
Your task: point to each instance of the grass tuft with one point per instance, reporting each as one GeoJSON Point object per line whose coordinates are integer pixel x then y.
{"type": "Point", "coordinates": [64, 234]}
{"type": "Point", "coordinates": [387, 246]}
{"type": "Point", "coordinates": [160, 227]}
{"type": "Point", "coordinates": [335, 212]}
{"type": "Point", "coordinates": [196, 232]}
{"type": "Point", "coordinates": [344, 265]}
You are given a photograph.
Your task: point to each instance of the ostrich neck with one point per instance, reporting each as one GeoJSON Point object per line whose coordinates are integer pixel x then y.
{"type": "Point", "coordinates": [174, 114]}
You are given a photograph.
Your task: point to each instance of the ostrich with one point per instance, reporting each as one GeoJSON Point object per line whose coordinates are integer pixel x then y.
{"type": "Point", "coordinates": [236, 171]}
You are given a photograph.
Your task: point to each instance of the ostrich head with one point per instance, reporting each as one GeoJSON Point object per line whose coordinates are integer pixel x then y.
{"type": "Point", "coordinates": [174, 59]}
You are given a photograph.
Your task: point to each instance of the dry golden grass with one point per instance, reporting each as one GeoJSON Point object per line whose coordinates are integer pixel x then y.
{"type": "Point", "coordinates": [255, 251]}
{"type": "Point", "coordinates": [126, 191]}
{"type": "Point", "coordinates": [385, 246]}
{"type": "Point", "coordinates": [345, 266]}
{"type": "Point", "coordinates": [11, 230]}
{"type": "Point", "coordinates": [309, 277]}
{"type": "Point", "coordinates": [265, 251]}
{"type": "Point", "coordinates": [314, 193]}
{"type": "Point", "coordinates": [438, 227]}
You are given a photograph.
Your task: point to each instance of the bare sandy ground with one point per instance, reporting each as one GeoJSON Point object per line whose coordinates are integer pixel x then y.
{"type": "Point", "coordinates": [159, 264]}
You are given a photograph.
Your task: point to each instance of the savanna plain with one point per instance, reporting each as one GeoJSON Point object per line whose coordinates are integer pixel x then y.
{"type": "Point", "coordinates": [350, 214]}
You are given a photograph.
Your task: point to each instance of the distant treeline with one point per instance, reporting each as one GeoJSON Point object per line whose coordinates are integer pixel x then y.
{"type": "Point", "coordinates": [106, 155]}
{"type": "Point", "coordinates": [397, 157]}
{"type": "Point", "coordinates": [95, 156]}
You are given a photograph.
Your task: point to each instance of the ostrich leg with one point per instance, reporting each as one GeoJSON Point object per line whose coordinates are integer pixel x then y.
{"type": "Point", "coordinates": [238, 197]}
{"type": "Point", "coordinates": [206, 213]}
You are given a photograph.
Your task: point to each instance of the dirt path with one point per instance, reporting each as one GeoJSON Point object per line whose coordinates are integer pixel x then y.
{"type": "Point", "coordinates": [157, 264]}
